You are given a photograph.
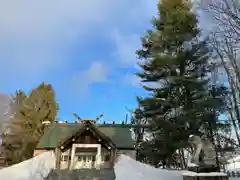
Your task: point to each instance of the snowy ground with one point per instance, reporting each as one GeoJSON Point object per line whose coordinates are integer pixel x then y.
{"type": "Point", "coordinates": [234, 164]}
{"type": "Point", "coordinates": [131, 169]}
{"type": "Point", "coordinates": [126, 168]}
{"type": "Point", "coordinates": [33, 169]}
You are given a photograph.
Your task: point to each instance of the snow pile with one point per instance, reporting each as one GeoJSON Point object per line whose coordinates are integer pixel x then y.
{"type": "Point", "coordinates": [234, 164]}
{"type": "Point", "coordinates": [189, 173]}
{"type": "Point", "coordinates": [128, 168]}
{"type": "Point", "coordinates": [33, 169]}
{"type": "Point", "coordinates": [235, 159]}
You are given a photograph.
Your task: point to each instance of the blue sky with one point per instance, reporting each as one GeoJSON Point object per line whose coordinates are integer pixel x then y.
{"type": "Point", "coordinates": [85, 49]}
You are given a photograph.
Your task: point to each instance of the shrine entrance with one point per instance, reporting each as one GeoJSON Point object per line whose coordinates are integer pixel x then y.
{"type": "Point", "coordinates": [86, 162]}
{"type": "Point", "coordinates": [85, 156]}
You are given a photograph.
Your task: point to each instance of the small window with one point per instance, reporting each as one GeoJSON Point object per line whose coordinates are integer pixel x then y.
{"type": "Point", "coordinates": [106, 158]}
{"type": "Point", "coordinates": [64, 158]}
{"type": "Point", "coordinates": [93, 158]}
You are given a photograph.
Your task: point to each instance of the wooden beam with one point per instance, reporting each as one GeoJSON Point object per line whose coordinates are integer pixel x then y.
{"type": "Point", "coordinates": [75, 115]}
{"type": "Point", "coordinates": [58, 158]}
{"type": "Point", "coordinates": [69, 159]}
{"type": "Point", "coordinates": [113, 157]}
{"type": "Point", "coordinates": [101, 115]}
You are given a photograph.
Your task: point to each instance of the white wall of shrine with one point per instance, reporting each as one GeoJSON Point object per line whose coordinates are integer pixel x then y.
{"type": "Point", "coordinates": [79, 160]}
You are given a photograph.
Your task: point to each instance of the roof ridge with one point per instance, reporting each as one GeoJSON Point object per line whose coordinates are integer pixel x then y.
{"type": "Point", "coordinates": [119, 134]}
{"type": "Point", "coordinates": [106, 125]}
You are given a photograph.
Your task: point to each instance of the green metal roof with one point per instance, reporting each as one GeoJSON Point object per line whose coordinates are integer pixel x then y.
{"type": "Point", "coordinates": [56, 133]}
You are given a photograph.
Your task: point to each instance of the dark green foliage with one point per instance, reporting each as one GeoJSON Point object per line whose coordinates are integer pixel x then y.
{"type": "Point", "coordinates": [25, 127]}
{"type": "Point", "coordinates": [181, 100]}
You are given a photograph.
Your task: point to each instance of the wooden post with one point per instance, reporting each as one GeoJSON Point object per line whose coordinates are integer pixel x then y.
{"type": "Point", "coordinates": [69, 157]}
{"type": "Point", "coordinates": [113, 157]}
{"type": "Point", "coordinates": [72, 156]}
{"type": "Point", "coordinates": [58, 158]}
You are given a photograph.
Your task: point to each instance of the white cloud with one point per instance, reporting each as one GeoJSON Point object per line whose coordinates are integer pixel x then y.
{"type": "Point", "coordinates": [36, 35]}
{"type": "Point", "coordinates": [80, 82]}
{"type": "Point", "coordinates": [126, 43]}
{"type": "Point", "coordinates": [131, 79]}
{"type": "Point", "coordinates": [97, 73]}
{"type": "Point", "coordinates": [126, 46]}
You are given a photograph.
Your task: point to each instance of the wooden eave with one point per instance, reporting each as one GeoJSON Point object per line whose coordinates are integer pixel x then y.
{"type": "Point", "coordinates": [82, 128]}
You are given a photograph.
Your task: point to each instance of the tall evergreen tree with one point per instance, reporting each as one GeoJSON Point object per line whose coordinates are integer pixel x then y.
{"type": "Point", "coordinates": [174, 58]}
{"type": "Point", "coordinates": [26, 128]}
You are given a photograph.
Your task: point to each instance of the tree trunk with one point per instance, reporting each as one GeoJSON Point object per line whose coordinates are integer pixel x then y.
{"type": "Point", "coordinates": [234, 126]}
{"type": "Point", "coordinates": [183, 158]}
{"type": "Point", "coordinates": [214, 144]}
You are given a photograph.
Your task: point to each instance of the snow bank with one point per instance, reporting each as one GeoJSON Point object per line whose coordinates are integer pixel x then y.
{"type": "Point", "coordinates": [189, 173]}
{"type": "Point", "coordinates": [128, 168]}
{"type": "Point", "coordinates": [235, 159]}
{"type": "Point", "coordinates": [33, 169]}
{"type": "Point", "coordinates": [234, 164]}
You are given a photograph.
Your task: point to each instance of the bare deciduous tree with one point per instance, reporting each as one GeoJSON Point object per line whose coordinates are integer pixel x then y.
{"type": "Point", "coordinates": [225, 41]}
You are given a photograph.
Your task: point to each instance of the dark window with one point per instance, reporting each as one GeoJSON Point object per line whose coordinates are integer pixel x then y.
{"type": "Point", "coordinates": [93, 158]}
{"type": "Point", "coordinates": [65, 157]}
{"type": "Point", "coordinates": [106, 157]}
{"type": "Point", "coordinates": [78, 150]}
